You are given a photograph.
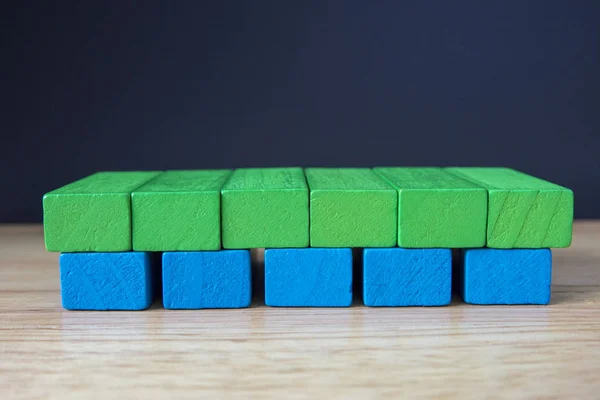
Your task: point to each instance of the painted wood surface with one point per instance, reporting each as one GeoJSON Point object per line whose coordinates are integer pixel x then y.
{"type": "Point", "coordinates": [178, 211]}
{"type": "Point", "coordinates": [351, 207]}
{"type": "Point", "coordinates": [524, 211]}
{"type": "Point", "coordinates": [93, 213]}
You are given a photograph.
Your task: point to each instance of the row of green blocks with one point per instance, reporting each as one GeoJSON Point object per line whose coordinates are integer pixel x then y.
{"type": "Point", "coordinates": [319, 207]}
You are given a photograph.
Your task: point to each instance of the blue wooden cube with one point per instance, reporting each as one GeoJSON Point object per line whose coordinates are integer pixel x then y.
{"type": "Point", "coordinates": [506, 276]}
{"type": "Point", "coordinates": [107, 281]}
{"type": "Point", "coordinates": [407, 277]}
{"type": "Point", "coordinates": [308, 277]}
{"type": "Point", "coordinates": [207, 279]}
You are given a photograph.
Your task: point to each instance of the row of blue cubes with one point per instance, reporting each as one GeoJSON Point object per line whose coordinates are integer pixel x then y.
{"type": "Point", "coordinates": [307, 277]}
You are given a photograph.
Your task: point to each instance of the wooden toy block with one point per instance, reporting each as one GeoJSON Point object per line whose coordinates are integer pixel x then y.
{"type": "Point", "coordinates": [265, 207]}
{"type": "Point", "coordinates": [351, 207]}
{"type": "Point", "coordinates": [505, 276]}
{"type": "Point", "coordinates": [407, 277]}
{"type": "Point", "coordinates": [523, 211]}
{"type": "Point", "coordinates": [107, 281]}
{"type": "Point", "coordinates": [92, 214]}
{"type": "Point", "coordinates": [207, 279]}
{"type": "Point", "coordinates": [437, 209]}
{"type": "Point", "coordinates": [308, 277]}
{"type": "Point", "coordinates": [178, 211]}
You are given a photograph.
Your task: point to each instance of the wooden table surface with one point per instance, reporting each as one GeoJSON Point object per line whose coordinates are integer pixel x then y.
{"type": "Point", "coordinates": [459, 351]}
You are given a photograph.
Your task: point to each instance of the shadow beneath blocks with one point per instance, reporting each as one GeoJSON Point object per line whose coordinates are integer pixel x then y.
{"type": "Point", "coordinates": [357, 277]}
{"type": "Point", "coordinates": [157, 284]}
{"type": "Point", "coordinates": [258, 277]}
{"type": "Point", "coordinates": [457, 278]}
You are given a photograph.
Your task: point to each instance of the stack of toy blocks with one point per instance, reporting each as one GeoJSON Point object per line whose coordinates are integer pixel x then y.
{"type": "Point", "coordinates": [127, 237]}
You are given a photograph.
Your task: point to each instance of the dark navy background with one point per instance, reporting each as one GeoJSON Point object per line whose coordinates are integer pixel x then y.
{"type": "Point", "coordinates": [133, 85]}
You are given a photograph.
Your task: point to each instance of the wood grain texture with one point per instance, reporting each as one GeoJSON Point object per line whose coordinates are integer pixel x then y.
{"type": "Point", "coordinates": [456, 352]}
{"type": "Point", "coordinates": [206, 279]}
{"type": "Point", "coordinates": [407, 277]}
{"type": "Point", "coordinates": [524, 211]}
{"type": "Point", "coordinates": [437, 209]}
{"type": "Point", "coordinates": [108, 281]}
{"type": "Point", "coordinates": [93, 213]}
{"type": "Point", "coordinates": [505, 276]}
{"type": "Point", "coordinates": [178, 211]}
{"type": "Point", "coordinates": [351, 207]}
{"type": "Point", "coordinates": [308, 277]}
{"type": "Point", "coordinates": [265, 207]}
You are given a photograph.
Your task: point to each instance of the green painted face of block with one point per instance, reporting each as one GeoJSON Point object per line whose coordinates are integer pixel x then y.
{"type": "Point", "coordinates": [524, 211]}
{"type": "Point", "coordinates": [259, 219]}
{"type": "Point", "coordinates": [75, 223]}
{"type": "Point", "coordinates": [92, 214]}
{"type": "Point", "coordinates": [176, 221]}
{"type": "Point", "coordinates": [530, 219]}
{"type": "Point", "coordinates": [442, 218]}
{"type": "Point", "coordinates": [353, 219]}
{"type": "Point", "coordinates": [265, 207]}
{"type": "Point", "coordinates": [179, 211]}
{"type": "Point", "coordinates": [351, 207]}
{"type": "Point", "coordinates": [437, 209]}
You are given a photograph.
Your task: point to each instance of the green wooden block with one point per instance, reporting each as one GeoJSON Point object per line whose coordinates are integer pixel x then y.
{"type": "Point", "coordinates": [179, 211]}
{"type": "Point", "coordinates": [523, 211]}
{"type": "Point", "coordinates": [92, 214]}
{"type": "Point", "coordinates": [437, 209]}
{"type": "Point", "coordinates": [351, 207]}
{"type": "Point", "coordinates": [265, 207]}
